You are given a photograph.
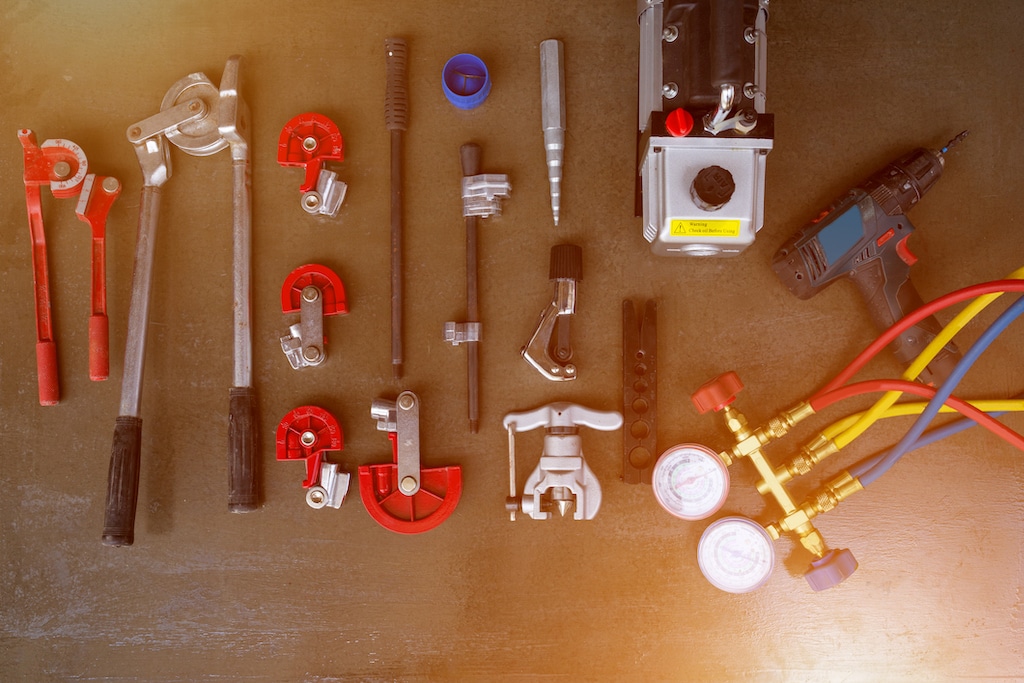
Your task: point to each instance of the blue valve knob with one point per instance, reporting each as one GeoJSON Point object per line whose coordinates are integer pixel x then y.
{"type": "Point", "coordinates": [831, 569]}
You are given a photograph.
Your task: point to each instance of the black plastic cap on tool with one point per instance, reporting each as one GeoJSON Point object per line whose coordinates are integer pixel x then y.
{"type": "Point", "coordinates": [566, 262]}
{"type": "Point", "coordinates": [712, 188]}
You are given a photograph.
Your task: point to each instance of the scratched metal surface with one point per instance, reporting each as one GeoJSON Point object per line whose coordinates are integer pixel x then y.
{"type": "Point", "coordinates": [292, 594]}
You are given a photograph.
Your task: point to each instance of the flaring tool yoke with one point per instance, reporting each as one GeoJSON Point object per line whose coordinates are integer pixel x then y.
{"type": "Point", "coordinates": [308, 433]}
{"type": "Point", "coordinates": [313, 291]}
{"type": "Point", "coordinates": [62, 165]}
{"type": "Point", "coordinates": [401, 495]}
{"type": "Point", "coordinates": [310, 140]}
{"type": "Point", "coordinates": [562, 478]}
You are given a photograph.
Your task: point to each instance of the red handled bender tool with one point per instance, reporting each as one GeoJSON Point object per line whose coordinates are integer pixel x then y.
{"type": "Point", "coordinates": [62, 165]}
{"type": "Point", "coordinates": [400, 495]}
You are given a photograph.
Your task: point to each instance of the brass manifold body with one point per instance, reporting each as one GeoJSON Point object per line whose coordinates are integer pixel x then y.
{"type": "Point", "coordinates": [750, 443]}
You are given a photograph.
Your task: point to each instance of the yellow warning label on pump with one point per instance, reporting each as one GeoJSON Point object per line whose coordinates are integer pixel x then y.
{"type": "Point", "coordinates": [689, 228]}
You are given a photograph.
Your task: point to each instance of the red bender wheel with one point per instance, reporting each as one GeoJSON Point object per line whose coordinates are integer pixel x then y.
{"type": "Point", "coordinates": [306, 433]}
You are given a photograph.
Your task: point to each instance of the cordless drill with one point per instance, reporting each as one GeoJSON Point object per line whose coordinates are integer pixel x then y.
{"type": "Point", "coordinates": [863, 235]}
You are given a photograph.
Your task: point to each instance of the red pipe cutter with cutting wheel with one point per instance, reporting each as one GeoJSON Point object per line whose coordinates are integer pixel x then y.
{"type": "Point", "coordinates": [62, 165]}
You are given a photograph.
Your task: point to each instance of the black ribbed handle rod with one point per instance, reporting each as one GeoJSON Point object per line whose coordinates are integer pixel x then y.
{"type": "Point", "coordinates": [396, 115]}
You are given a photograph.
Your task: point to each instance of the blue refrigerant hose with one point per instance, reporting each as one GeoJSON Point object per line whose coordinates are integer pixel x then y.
{"type": "Point", "coordinates": [871, 469]}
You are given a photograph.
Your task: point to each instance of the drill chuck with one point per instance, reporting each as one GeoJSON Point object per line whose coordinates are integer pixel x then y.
{"type": "Point", "coordinates": [901, 184]}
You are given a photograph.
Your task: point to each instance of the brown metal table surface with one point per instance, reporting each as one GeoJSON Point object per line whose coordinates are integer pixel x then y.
{"type": "Point", "coordinates": [288, 593]}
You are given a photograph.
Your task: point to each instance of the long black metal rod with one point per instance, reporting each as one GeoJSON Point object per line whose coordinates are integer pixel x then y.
{"type": "Point", "coordinates": [470, 157]}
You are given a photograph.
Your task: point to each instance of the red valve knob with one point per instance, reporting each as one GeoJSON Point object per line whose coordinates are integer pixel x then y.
{"type": "Point", "coordinates": [309, 140]}
{"type": "Point", "coordinates": [717, 393]}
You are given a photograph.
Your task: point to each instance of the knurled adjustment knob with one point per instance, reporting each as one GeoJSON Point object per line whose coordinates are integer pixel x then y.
{"type": "Point", "coordinates": [831, 569]}
{"type": "Point", "coordinates": [712, 188]}
{"type": "Point", "coordinates": [717, 393]}
{"type": "Point", "coordinates": [566, 262]}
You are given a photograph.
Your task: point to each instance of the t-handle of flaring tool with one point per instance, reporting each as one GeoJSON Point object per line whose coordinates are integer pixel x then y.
{"type": "Point", "coordinates": [243, 435]}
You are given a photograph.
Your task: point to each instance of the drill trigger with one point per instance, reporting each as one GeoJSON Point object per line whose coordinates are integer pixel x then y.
{"type": "Point", "coordinates": [904, 251]}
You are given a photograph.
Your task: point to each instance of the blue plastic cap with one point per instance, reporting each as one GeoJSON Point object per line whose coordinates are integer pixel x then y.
{"type": "Point", "coordinates": [465, 81]}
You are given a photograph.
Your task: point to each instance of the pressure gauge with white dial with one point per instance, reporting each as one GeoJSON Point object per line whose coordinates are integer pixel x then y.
{"type": "Point", "coordinates": [690, 481]}
{"type": "Point", "coordinates": [736, 554]}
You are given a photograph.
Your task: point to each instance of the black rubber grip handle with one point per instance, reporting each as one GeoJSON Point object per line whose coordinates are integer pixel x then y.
{"type": "Point", "coordinates": [886, 287]}
{"type": "Point", "coordinates": [123, 482]}
{"type": "Point", "coordinates": [243, 451]}
{"type": "Point", "coordinates": [396, 98]}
